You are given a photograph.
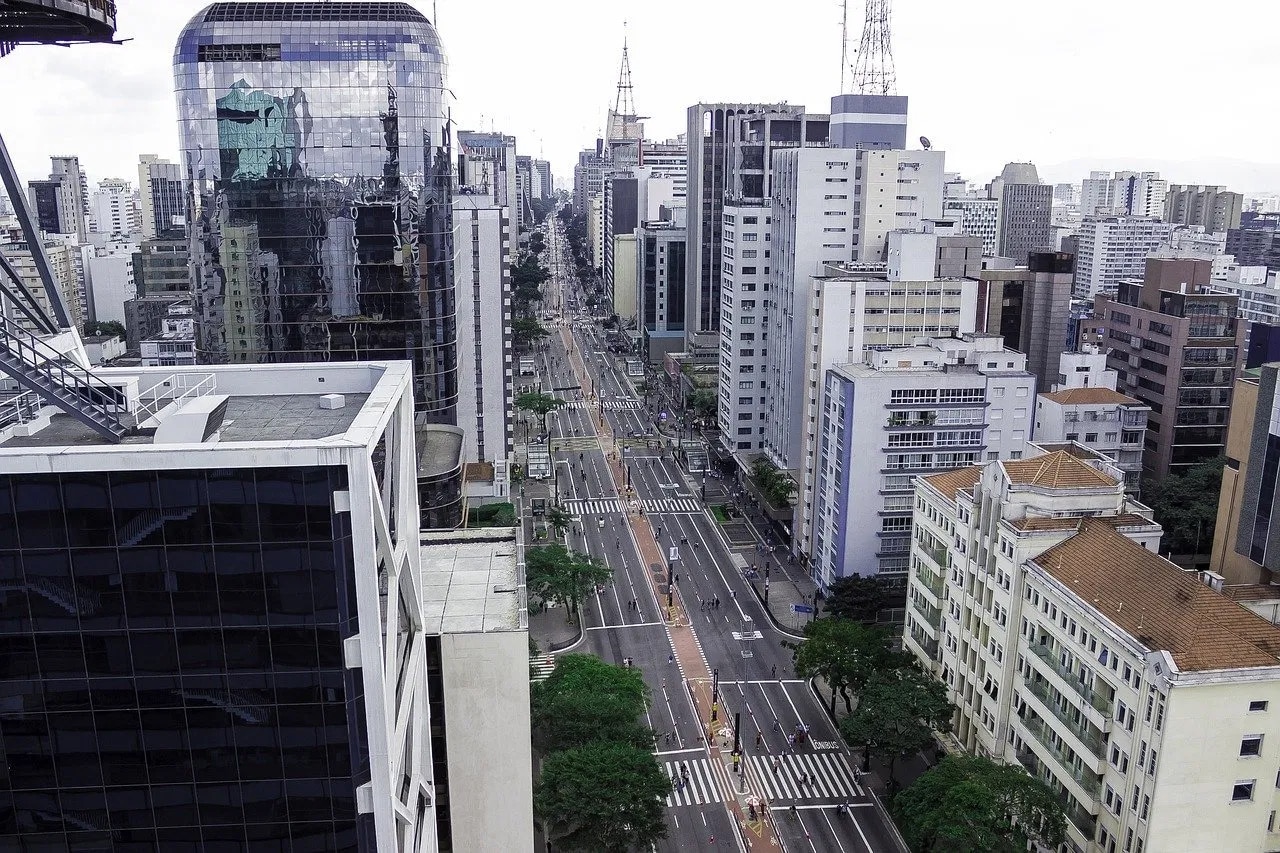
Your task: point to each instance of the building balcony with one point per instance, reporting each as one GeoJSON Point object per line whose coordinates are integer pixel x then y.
{"type": "Point", "coordinates": [937, 554]}
{"type": "Point", "coordinates": [930, 615]}
{"type": "Point", "coordinates": [1090, 783]}
{"type": "Point", "coordinates": [1090, 738]}
{"type": "Point", "coordinates": [1084, 821]}
{"type": "Point", "coordinates": [923, 642]}
{"type": "Point", "coordinates": [931, 581]}
{"type": "Point", "coordinates": [1095, 700]}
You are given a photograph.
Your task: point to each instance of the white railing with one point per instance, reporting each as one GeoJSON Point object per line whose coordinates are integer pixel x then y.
{"type": "Point", "coordinates": [174, 389]}
{"type": "Point", "coordinates": [20, 409]}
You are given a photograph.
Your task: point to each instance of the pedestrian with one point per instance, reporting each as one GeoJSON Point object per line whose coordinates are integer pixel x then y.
{"type": "Point", "coordinates": [777, 726]}
{"type": "Point", "coordinates": [791, 742]}
{"type": "Point", "coordinates": [671, 658]}
{"type": "Point", "coordinates": [759, 738]}
{"type": "Point", "coordinates": [774, 763]}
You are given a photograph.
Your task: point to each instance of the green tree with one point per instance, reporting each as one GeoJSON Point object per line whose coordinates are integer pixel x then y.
{"type": "Point", "coordinates": [553, 573]}
{"type": "Point", "coordinates": [858, 598]}
{"type": "Point", "coordinates": [560, 519]}
{"type": "Point", "coordinates": [897, 713]}
{"type": "Point", "coordinates": [702, 402]}
{"type": "Point", "coordinates": [775, 486]}
{"type": "Point", "coordinates": [110, 328]}
{"type": "Point", "coordinates": [969, 803]}
{"type": "Point", "coordinates": [1186, 505]}
{"type": "Point", "coordinates": [843, 653]}
{"type": "Point", "coordinates": [585, 700]}
{"type": "Point", "coordinates": [538, 403]}
{"type": "Point", "coordinates": [526, 331]}
{"type": "Point", "coordinates": [602, 798]}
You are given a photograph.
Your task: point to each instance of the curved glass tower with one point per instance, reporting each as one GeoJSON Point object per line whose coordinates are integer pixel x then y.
{"type": "Point", "coordinates": [316, 145]}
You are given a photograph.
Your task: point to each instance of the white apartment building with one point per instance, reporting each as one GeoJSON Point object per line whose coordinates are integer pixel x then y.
{"type": "Point", "coordinates": [108, 279]}
{"type": "Point", "coordinates": [745, 271]}
{"type": "Point", "coordinates": [1112, 248]}
{"type": "Point", "coordinates": [940, 404]}
{"type": "Point", "coordinates": [596, 230]}
{"type": "Point", "coordinates": [668, 159]}
{"type": "Point", "coordinates": [68, 268]}
{"type": "Point", "coordinates": [482, 276]}
{"type": "Point", "coordinates": [111, 210]}
{"type": "Point", "coordinates": [1259, 292]}
{"type": "Point", "coordinates": [1144, 697]}
{"type": "Point", "coordinates": [175, 345]}
{"type": "Point", "coordinates": [979, 217]}
{"type": "Point", "coordinates": [1123, 194]}
{"type": "Point", "coordinates": [897, 191]}
{"type": "Point", "coordinates": [1101, 419]}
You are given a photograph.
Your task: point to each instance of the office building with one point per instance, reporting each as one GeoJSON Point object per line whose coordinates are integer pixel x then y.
{"type": "Point", "coordinates": [941, 404]}
{"type": "Point", "coordinates": [1138, 691]}
{"type": "Point", "coordinates": [111, 210]}
{"type": "Point", "coordinates": [1246, 504]}
{"type": "Point", "coordinates": [1175, 349]}
{"type": "Point", "coordinates": [709, 140]}
{"type": "Point", "coordinates": [588, 179]}
{"type": "Point", "coordinates": [482, 273]}
{"type": "Point", "coordinates": [1030, 308]}
{"type": "Point", "coordinates": [670, 159]}
{"type": "Point", "coordinates": [1254, 242]}
{"type": "Point", "coordinates": [61, 204]}
{"type": "Point", "coordinates": [869, 121]}
{"type": "Point", "coordinates": [524, 185]}
{"type": "Point", "coordinates": [109, 279]}
{"type": "Point", "coordinates": [160, 265]}
{"type": "Point", "coordinates": [621, 217]}
{"type": "Point", "coordinates": [174, 343]}
{"type": "Point", "coordinates": [1026, 212]}
{"type": "Point", "coordinates": [744, 295]}
{"type": "Point", "coordinates": [1123, 194]}
{"type": "Point", "coordinates": [660, 261]}
{"type": "Point", "coordinates": [544, 186]}
{"type": "Point", "coordinates": [595, 231]}
{"type": "Point", "coordinates": [753, 137]}
{"type": "Point", "coordinates": [304, 248]}
{"type": "Point", "coordinates": [144, 317]}
{"type": "Point", "coordinates": [977, 216]}
{"type": "Point", "coordinates": [490, 160]}
{"type": "Point", "coordinates": [161, 196]}
{"type": "Point", "coordinates": [1114, 248]}
{"type": "Point", "coordinates": [243, 593]}
{"type": "Point", "coordinates": [1212, 208]}
{"type": "Point", "coordinates": [896, 191]}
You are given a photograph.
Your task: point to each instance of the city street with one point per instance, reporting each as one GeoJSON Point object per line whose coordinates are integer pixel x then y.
{"type": "Point", "coordinates": [715, 645]}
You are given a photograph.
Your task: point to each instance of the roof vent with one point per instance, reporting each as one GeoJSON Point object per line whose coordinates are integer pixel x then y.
{"type": "Point", "coordinates": [195, 422]}
{"type": "Point", "coordinates": [333, 401]}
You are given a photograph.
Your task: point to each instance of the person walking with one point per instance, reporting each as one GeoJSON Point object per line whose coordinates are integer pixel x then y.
{"type": "Point", "coordinates": [759, 738]}
{"type": "Point", "coordinates": [773, 671]}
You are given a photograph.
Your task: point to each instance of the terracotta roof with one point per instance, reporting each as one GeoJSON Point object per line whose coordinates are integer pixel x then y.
{"type": "Point", "coordinates": [1159, 604]}
{"type": "Point", "coordinates": [950, 482]}
{"type": "Point", "coordinates": [1251, 592]}
{"type": "Point", "coordinates": [1068, 522]}
{"type": "Point", "coordinates": [1058, 470]}
{"type": "Point", "coordinates": [1089, 396]}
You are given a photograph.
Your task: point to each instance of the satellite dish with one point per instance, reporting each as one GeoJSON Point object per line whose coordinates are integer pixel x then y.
{"type": "Point", "coordinates": [925, 143]}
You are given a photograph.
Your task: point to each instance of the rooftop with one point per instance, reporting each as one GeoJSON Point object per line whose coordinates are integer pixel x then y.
{"type": "Point", "coordinates": [1090, 397]}
{"type": "Point", "coordinates": [1160, 605]}
{"type": "Point", "coordinates": [1057, 470]}
{"type": "Point", "coordinates": [951, 482]}
{"type": "Point", "coordinates": [1252, 592]}
{"type": "Point", "coordinates": [471, 582]}
{"type": "Point", "coordinates": [1070, 522]}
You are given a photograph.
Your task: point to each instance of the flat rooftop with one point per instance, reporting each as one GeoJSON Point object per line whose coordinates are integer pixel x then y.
{"type": "Point", "coordinates": [471, 582]}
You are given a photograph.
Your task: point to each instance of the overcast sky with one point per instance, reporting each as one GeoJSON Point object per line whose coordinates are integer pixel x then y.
{"type": "Point", "coordinates": [1185, 87]}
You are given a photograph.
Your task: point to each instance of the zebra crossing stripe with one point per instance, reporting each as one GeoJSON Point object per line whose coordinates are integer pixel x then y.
{"type": "Point", "coordinates": [593, 507]}
{"type": "Point", "coordinates": [671, 505]}
{"type": "Point", "coordinates": [541, 667]}
{"type": "Point", "coordinates": [829, 777]}
{"type": "Point", "coordinates": [701, 788]}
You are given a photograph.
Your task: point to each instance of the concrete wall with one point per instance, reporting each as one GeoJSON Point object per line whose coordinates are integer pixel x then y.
{"type": "Point", "coordinates": [486, 697]}
{"type": "Point", "coordinates": [1225, 559]}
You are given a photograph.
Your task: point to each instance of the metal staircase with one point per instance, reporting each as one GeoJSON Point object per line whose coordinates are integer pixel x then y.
{"type": "Point", "coordinates": [39, 367]}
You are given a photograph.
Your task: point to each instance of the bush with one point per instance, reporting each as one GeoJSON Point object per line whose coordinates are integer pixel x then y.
{"type": "Point", "coordinates": [492, 515]}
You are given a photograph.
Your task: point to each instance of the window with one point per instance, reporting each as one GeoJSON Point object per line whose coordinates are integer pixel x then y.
{"type": "Point", "coordinates": [1242, 791]}
{"type": "Point", "coordinates": [1251, 746]}
{"type": "Point", "coordinates": [1258, 705]}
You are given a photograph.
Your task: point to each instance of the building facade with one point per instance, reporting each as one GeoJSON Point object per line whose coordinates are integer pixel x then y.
{"type": "Point", "coordinates": [1026, 212]}
{"type": "Point", "coordinates": [1123, 194]}
{"type": "Point", "coordinates": [661, 262]}
{"type": "Point", "coordinates": [905, 412]}
{"type": "Point", "coordinates": [977, 216]}
{"type": "Point", "coordinates": [744, 295]}
{"type": "Point", "coordinates": [162, 198]}
{"type": "Point", "coordinates": [1113, 248]}
{"type": "Point", "coordinates": [1030, 308]}
{"type": "Point", "coordinates": [1103, 420]}
{"type": "Point", "coordinates": [111, 210]}
{"type": "Point", "coordinates": [160, 265]}
{"type": "Point", "coordinates": [243, 592]}
{"type": "Point", "coordinates": [1212, 208]}
{"type": "Point", "coordinates": [303, 246]}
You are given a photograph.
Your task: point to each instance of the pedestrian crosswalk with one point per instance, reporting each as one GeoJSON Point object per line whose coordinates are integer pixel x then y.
{"type": "Point", "coordinates": [672, 505]}
{"type": "Point", "coordinates": [622, 405]}
{"type": "Point", "coordinates": [699, 788]}
{"type": "Point", "coordinates": [829, 776]}
{"type": "Point", "coordinates": [596, 506]}
{"type": "Point", "coordinates": [576, 445]}
{"type": "Point", "coordinates": [540, 667]}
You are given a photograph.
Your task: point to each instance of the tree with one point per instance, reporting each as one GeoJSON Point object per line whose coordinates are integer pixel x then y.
{"type": "Point", "coordinates": [602, 798]}
{"type": "Point", "coordinates": [969, 803]}
{"type": "Point", "coordinates": [538, 403]}
{"type": "Point", "coordinates": [560, 519]}
{"type": "Point", "coordinates": [843, 653]}
{"type": "Point", "coordinates": [553, 573]}
{"type": "Point", "coordinates": [858, 598]}
{"type": "Point", "coordinates": [526, 331]}
{"type": "Point", "coordinates": [703, 403]}
{"type": "Point", "coordinates": [775, 486]}
{"type": "Point", "coordinates": [897, 713]}
{"type": "Point", "coordinates": [585, 700]}
{"type": "Point", "coordinates": [109, 328]}
{"type": "Point", "coordinates": [1186, 505]}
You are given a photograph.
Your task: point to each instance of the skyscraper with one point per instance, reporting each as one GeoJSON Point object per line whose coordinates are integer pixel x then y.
{"type": "Point", "coordinates": [161, 194]}
{"type": "Point", "coordinates": [1026, 212]}
{"type": "Point", "coordinates": [316, 143]}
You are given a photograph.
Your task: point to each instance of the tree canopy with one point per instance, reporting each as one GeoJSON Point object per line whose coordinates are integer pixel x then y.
{"type": "Point", "coordinates": [970, 803]}
{"type": "Point", "coordinates": [858, 598]}
{"type": "Point", "coordinates": [110, 328]}
{"type": "Point", "coordinates": [526, 331]}
{"type": "Point", "coordinates": [775, 486]}
{"type": "Point", "coordinates": [843, 653]}
{"type": "Point", "coordinates": [553, 573]}
{"type": "Point", "coordinates": [703, 402]}
{"type": "Point", "coordinates": [559, 518]}
{"type": "Point", "coordinates": [538, 403]}
{"type": "Point", "coordinates": [898, 711]}
{"type": "Point", "coordinates": [602, 798]}
{"type": "Point", "coordinates": [1186, 505]}
{"type": "Point", "coordinates": [584, 700]}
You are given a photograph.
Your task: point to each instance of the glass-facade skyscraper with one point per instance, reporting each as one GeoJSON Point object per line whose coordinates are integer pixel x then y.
{"type": "Point", "coordinates": [317, 148]}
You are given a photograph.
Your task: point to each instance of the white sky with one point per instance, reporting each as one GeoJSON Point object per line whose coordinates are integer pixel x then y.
{"type": "Point", "coordinates": [1188, 88]}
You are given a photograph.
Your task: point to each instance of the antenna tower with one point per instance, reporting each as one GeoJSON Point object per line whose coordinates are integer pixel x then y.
{"type": "Point", "coordinates": [624, 103]}
{"type": "Point", "coordinates": [873, 72]}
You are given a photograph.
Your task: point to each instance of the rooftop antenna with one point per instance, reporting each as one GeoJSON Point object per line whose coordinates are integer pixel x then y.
{"type": "Point", "coordinates": [844, 41]}
{"type": "Point", "coordinates": [624, 101]}
{"type": "Point", "coordinates": [873, 72]}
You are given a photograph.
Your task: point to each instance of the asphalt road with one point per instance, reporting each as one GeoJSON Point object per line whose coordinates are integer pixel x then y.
{"type": "Point", "coordinates": [739, 642]}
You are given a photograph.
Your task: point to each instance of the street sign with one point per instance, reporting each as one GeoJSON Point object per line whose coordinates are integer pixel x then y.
{"type": "Point", "coordinates": [673, 554]}
{"type": "Point", "coordinates": [801, 608]}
